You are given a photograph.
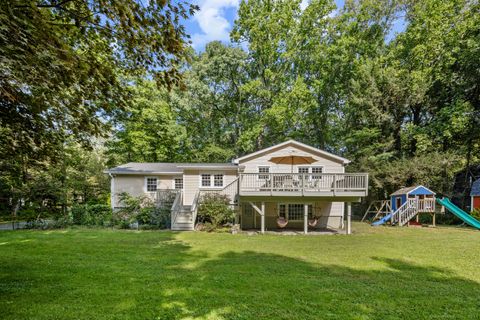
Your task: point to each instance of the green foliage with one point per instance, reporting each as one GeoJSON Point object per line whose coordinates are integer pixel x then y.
{"type": "Point", "coordinates": [92, 215]}
{"type": "Point", "coordinates": [476, 213]}
{"type": "Point", "coordinates": [64, 69]}
{"type": "Point", "coordinates": [141, 210]}
{"type": "Point", "coordinates": [214, 211]}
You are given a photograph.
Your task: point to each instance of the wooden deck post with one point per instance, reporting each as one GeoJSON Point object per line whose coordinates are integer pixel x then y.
{"type": "Point", "coordinates": [349, 218]}
{"type": "Point", "coordinates": [263, 218]}
{"type": "Point", "coordinates": [305, 218]}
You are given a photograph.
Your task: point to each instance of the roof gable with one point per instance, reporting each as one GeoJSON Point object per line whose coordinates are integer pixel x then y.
{"type": "Point", "coordinates": [294, 143]}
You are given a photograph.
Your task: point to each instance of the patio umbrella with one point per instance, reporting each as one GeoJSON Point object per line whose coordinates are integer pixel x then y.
{"type": "Point", "coordinates": [292, 159]}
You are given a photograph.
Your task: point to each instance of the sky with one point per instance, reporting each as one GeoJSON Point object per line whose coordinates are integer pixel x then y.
{"type": "Point", "coordinates": [215, 20]}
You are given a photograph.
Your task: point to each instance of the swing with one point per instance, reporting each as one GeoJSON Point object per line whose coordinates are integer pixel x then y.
{"type": "Point", "coordinates": [282, 222]}
{"type": "Point", "coordinates": [313, 222]}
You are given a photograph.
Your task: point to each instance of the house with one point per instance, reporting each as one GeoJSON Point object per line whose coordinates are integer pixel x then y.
{"type": "Point", "coordinates": [408, 203]}
{"type": "Point", "coordinates": [291, 181]}
{"type": "Point", "coordinates": [475, 195]}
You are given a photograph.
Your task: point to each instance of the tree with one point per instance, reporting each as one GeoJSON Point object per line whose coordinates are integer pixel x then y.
{"type": "Point", "coordinates": [64, 66]}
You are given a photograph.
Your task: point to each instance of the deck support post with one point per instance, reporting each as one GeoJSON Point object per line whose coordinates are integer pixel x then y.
{"type": "Point", "coordinates": [349, 218]}
{"type": "Point", "coordinates": [434, 218]}
{"type": "Point", "coordinates": [305, 218]}
{"type": "Point", "coordinates": [263, 218]}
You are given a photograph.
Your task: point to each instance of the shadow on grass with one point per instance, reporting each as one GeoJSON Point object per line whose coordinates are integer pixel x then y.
{"type": "Point", "coordinates": [163, 278]}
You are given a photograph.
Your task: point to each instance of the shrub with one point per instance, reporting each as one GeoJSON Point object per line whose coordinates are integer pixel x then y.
{"type": "Point", "coordinates": [476, 213]}
{"type": "Point", "coordinates": [91, 215]}
{"type": "Point", "coordinates": [142, 210]}
{"type": "Point", "coordinates": [215, 209]}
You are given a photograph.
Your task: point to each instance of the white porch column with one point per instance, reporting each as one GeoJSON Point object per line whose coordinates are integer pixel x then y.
{"type": "Point", "coordinates": [349, 218]}
{"type": "Point", "coordinates": [305, 218]}
{"type": "Point", "coordinates": [262, 217]}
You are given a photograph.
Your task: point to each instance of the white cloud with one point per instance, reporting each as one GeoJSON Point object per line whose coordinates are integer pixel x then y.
{"type": "Point", "coordinates": [212, 21]}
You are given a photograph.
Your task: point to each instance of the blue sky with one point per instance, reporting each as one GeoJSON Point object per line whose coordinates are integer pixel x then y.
{"type": "Point", "coordinates": [215, 20]}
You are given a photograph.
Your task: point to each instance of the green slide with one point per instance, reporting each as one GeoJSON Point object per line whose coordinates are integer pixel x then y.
{"type": "Point", "coordinates": [459, 212]}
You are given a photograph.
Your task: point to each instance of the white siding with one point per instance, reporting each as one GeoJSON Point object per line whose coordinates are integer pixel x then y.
{"type": "Point", "coordinates": [329, 165]}
{"type": "Point", "coordinates": [135, 185]}
{"type": "Point", "coordinates": [191, 182]}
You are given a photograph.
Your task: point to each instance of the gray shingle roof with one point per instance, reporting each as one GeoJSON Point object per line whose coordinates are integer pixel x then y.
{"type": "Point", "coordinates": [403, 191]}
{"type": "Point", "coordinates": [475, 188]}
{"type": "Point", "coordinates": [164, 167]}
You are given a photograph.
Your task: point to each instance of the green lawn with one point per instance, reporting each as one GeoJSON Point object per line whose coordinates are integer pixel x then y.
{"type": "Point", "coordinates": [377, 273]}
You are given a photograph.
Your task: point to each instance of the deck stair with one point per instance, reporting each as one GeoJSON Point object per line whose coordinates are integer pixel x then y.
{"type": "Point", "coordinates": [410, 209]}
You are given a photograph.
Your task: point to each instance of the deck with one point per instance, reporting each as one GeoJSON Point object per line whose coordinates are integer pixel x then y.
{"type": "Point", "coordinates": [303, 185]}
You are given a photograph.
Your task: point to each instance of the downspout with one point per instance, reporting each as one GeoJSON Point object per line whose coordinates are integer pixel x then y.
{"type": "Point", "coordinates": [112, 190]}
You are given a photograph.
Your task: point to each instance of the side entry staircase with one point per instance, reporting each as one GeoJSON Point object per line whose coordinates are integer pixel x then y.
{"type": "Point", "coordinates": [183, 218]}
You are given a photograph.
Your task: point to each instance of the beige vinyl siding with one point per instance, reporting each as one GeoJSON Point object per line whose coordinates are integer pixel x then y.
{"type": "Point", "coordinates": [330, 215]}
{"type": "Point", "coordinates": [329, 165]}
{"type": "Point", "coordinates": [135, 185]}
{"type": "Point", "coordinates": [191, 182]}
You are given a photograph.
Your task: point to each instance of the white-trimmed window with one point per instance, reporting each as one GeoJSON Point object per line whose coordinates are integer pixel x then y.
{"type": "Point", "coordinates": [151, 184]}
{"type": "Point", "coordinates": [211, 180]}
{"type": "Point", "coordinates": [303, 169]}
{"type": "Point", "coordinates": [206, 180]}
{"type": "Point", "coordinates": [264, 169]}
{"type": "Point", "coordinates": [315, 172]}
{"type": "Point", "coordinates": [178, 183]}
{"type": "Point", "coordinates": [294, 211]}
{"type": "Point", "coordinates": [218, 180]}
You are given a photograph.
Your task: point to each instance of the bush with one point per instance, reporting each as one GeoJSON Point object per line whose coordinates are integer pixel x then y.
{"type": "Point", "coordinates": [91, 215]}
{"type": "Point", "coordinates": [476, 213]}
{"type": "Point", "coordinates": [215, 211]}
{"type": "Point", "coordinates": [141, 210]}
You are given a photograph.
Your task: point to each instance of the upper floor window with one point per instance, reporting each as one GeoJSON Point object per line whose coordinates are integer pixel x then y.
{"type": "Point", "coordinates": [263, 169]}
{"type": "Point", "coordinates": [178, 183]}
{"type": "Point", "coordinates": [211, 180]}
{"type": "Point", "coordinates": [152, 184]}
{"type": "Point", "coordinates": [316, 172]}
{"type": "Point", "coordinates": [303, 169]}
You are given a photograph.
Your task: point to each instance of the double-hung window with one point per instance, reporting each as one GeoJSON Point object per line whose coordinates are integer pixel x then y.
{"type": "Point", "coordinates": [264, 169]}
{"type": "Point", "coordinates": [218, 180]}
{"type": "Point", "coordinates": [151, 184]}
{"type": "Point", "coordinates": [178, 183]}
{"type": "Point", "coordinates": [317, 173]}
{"type": "Point", "coordinates": [208, 180]}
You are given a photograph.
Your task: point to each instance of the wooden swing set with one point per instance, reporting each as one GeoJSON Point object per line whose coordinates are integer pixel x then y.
{"type": "Point", "coordinates": [380, 208]}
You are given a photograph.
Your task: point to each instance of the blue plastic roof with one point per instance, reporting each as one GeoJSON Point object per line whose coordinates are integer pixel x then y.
{"type": "Point", "coordinates": [475, 188]}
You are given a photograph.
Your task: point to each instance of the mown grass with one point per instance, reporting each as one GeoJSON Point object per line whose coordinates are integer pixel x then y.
{"type": "Point", "coordinates": [377, 273]}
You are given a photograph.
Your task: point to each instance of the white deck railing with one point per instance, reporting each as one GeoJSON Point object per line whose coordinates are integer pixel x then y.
{"type": "Point", "coordinates": [312, 182]}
